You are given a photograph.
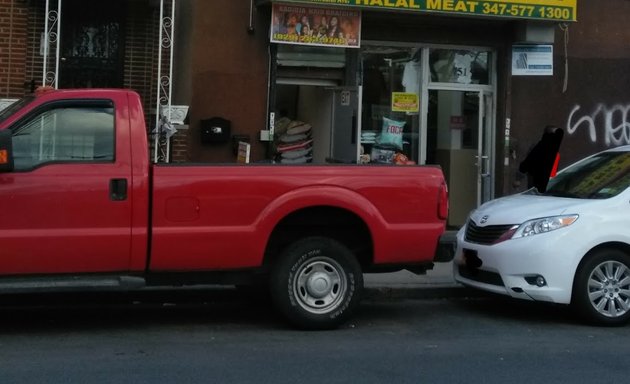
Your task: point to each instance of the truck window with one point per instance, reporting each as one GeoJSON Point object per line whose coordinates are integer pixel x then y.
{"type": "Point", "coordinates": [66, 134]}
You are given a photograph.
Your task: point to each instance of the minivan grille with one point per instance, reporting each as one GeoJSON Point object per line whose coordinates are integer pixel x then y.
{"type": "Point", "coordinates": [485, 235]}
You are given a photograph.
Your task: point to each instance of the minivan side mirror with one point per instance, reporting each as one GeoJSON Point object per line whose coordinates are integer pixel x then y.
{"type": "Point", "coordinates": [6, 151]}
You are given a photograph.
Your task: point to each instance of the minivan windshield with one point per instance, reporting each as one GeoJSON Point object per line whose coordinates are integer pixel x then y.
{"type": "Point", "coordinates": [14, 107]}
{"type": "Point", "coordinates": [598, 177]}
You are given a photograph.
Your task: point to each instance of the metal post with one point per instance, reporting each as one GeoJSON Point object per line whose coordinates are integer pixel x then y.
{"type": "Point", "coordinates": [57, 52]}
{"type": "Point", "coordinates": [170, 76]}
{"type": "Point", "coordinates": [164, 85]}
{"type": "Point", "coordinates": [52, 20]}
{"type": "Point", "coordinates": [45, 42]}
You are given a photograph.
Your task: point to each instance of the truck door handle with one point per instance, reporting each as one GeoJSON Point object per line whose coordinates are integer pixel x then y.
{"type": "Point", "coordinates": [118, 189]}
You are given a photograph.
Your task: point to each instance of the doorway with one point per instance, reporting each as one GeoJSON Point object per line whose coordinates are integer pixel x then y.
{"type": "Point", "coordinates": [92, 44]}
{"type": "Point", "coordinates": [459, 140]}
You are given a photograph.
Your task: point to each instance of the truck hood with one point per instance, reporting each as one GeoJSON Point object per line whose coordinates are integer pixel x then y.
{"type": "Point", "coordinates": [516, 209]}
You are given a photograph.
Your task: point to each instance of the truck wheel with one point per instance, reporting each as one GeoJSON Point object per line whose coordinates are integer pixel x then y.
{"type": "Point", "coordinates": [316, 283]}
{"type": "Point", "coordinates": [601, 292]}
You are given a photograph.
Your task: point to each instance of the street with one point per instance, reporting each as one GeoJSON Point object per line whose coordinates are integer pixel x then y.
{"type": "Point", "coordinates": [223, 337]}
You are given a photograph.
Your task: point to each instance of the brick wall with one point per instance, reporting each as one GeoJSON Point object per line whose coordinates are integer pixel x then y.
{"type": "Point", "coordinates": [35, 29]}
{"type": "Point", "coordinates": [179, 145]}
{"type": "Point", "coordinates": [13, 43]}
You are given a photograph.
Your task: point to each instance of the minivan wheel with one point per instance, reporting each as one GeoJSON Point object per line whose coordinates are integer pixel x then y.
{"type": "Point", "coordinates": [601, 291]}
{"type": "Point", "coordinates": [316, 283]}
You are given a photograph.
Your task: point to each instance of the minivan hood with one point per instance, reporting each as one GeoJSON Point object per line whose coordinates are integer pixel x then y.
{"type": "Point", "coordinates": [516, 209]}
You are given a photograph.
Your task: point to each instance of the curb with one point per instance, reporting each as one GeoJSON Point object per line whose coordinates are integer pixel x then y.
{"type": "Point", "coordinates": [450, 291]}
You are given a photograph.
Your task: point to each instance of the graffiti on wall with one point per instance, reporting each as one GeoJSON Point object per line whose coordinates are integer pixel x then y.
{"type": "Point", "coordinates": [609, 122]}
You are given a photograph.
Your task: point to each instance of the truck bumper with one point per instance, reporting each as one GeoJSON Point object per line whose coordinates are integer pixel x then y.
{"type": "Point", "coordinates": [445, 250]}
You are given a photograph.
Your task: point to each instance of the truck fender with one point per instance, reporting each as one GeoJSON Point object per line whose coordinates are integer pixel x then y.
{"type": "Point", "coordinates": [330, 196]}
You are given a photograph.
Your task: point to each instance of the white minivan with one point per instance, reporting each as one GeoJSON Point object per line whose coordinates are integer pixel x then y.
{"type": "Point", "coordinates": [568, 245]}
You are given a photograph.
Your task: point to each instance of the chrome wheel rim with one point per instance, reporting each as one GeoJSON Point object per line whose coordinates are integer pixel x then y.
{"type": "Point", "coordinates": [320, 285]}
{"type": "Point", "coordinates": [609, 289]}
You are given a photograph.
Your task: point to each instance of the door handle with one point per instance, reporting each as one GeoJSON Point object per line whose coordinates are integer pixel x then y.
{"type": "Point", "coordinates": [118, 189]}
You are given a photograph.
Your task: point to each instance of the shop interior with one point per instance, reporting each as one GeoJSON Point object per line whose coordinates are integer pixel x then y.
{"type": "Point", "coordinates": [319, 120]}
{"type": "Point", "coordinates": [316, 117]}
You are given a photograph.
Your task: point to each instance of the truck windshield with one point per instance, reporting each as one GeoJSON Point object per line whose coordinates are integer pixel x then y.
{"type": "Point", "coordinates": [14, 107]}
{"type": "Point", "coordinates": [597, 177]}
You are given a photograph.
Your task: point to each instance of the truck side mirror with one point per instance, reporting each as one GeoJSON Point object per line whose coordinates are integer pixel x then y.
{"type": "Point", "coordinates": [6, 151]}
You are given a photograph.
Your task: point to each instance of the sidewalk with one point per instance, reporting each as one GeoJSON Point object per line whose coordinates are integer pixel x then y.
{"type": "Point", "coordinates": [436, 283]}
{"type": "Point", "coordinates": [440, 276]}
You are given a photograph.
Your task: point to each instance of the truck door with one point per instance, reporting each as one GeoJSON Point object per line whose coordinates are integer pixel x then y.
{"type": "Point", "coordinates": [65, 209]}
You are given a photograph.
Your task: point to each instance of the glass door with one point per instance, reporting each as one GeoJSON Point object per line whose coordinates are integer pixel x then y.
{"type": "Point", "coordinates": [485, 179]}
{"type": "Point", "coordinates": [459, 140]}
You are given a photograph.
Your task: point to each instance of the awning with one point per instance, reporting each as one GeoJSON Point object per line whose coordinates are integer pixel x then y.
{"type": "Point", "coordinates": [552, 10]}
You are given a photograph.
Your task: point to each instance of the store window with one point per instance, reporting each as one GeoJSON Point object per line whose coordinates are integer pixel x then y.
{"type": "Point", "coordinates": [459, 66]}
{"type": "Point", "coordinates": [315, 106]}
{"type": "Point", "coordinates": [391, 104]}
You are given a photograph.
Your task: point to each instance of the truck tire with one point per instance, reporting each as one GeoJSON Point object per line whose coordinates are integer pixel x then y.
{"type": "Point", "coordinates": [316, 283]}
{"type": "Point", "coordinates": [601, 291]}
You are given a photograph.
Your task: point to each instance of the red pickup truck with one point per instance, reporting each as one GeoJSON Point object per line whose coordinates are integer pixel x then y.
{"type": "Point", "coordinates": [82, 207]}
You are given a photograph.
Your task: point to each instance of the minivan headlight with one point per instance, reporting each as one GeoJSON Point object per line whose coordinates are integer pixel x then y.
{"type": "Point", "coordinates": [544, 225]}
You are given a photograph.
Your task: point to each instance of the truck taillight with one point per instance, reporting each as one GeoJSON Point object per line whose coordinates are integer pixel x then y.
{"type": "Point", "coordinates": [443, 202]}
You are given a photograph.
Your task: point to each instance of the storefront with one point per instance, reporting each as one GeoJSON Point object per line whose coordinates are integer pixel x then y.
{"type": "Point", "coordinates": [379, 81]}
{"type": "Point", "coordinates": [355, 82]}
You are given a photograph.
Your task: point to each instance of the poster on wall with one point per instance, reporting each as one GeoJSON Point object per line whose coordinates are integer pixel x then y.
{"type": "Point", "coordinates": [405, 102]}
{"type": "Point", "coordinates": [318, 26]}
{"type": "Point", "coordinates": [532, 60]}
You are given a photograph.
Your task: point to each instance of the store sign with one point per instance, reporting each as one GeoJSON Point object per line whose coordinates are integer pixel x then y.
{"type": "Point", "coordinates": [405, 102]}
{"type": "Point", "coordinates": [561, 10]}
{"type": "Point", "coordinates": [329, 27]}
{"type": "Point", "coordinates": [532, 60]}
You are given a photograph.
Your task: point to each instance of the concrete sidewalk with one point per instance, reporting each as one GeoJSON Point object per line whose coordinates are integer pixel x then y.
{"type": "Point", "coordinates": [436, 283]}
{"type": "Point", "coordinates": [440, 276]}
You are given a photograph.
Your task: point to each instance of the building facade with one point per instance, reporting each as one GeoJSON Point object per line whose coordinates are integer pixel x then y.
{"type": "Point", "coordinates": [467, 85]}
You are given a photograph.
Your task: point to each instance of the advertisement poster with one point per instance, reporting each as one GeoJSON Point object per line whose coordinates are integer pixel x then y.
{"type": "Point", "coordinates": [532, 60]}
{"type": "Point", "coordinates": [405, 102]}
{"type": "Point", "coordinates": [329, 27]}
